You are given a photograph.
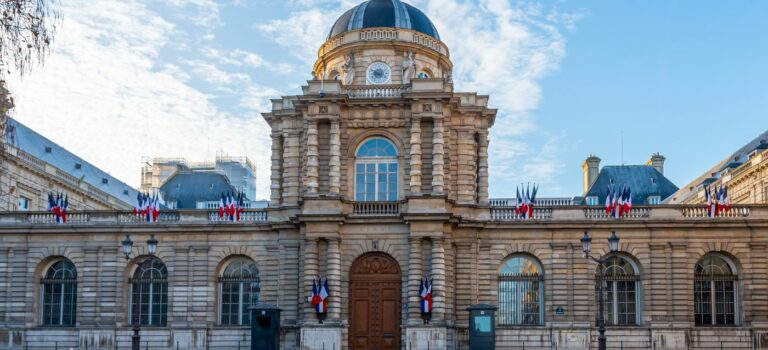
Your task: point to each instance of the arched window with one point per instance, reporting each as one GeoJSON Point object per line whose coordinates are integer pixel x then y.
{"type": "Point", "coordinates": [714, 291]}
{"type": "Point", "coordinates": [521, 292]}
{"type": "Point", "coordinates": [149, 293]}
{"type": "Point", "coordinates": [423, 75]}
{"type": "Point", "coordinates": [59, 294]}
{"type": "Point", "coordinates": [376, 171]}
{"type": "Point", "coordinates": [239, 289]}
{"type": "Point", "coordinates": [622, 291]}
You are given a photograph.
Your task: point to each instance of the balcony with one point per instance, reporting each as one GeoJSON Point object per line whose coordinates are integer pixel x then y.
{"type": "Point", "coordinates": [376, 208]}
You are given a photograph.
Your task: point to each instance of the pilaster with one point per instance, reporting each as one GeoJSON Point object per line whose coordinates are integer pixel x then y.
{"type": "Point", "coordinates": [438, 159]}
{"type": "Point", "coordinates": [482, 170]}
{"type": "Point", "coordinates": [415, 156]}
{"type": "Point", "coordinates": [312, 158]}
{"type": "Point", "coordinates": [291, 164]}
{"type": "Point", "coordinates": [334, 173]}
{"type": "Point", "coordinates": [311, 270]}
{"type": "Point", "coordinates": [276, 177]}
{"type": "Point", "coordinates": [415, 266]}
{"type": "Point", "coordinates": [334, 280]}
{"type": "Point", "coordinates": [438, 278]}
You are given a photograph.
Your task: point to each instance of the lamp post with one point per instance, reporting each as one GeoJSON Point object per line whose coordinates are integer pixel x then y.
{"type": "Point", "coordinates": [136, 318]}
{"type": "Point", "coordinates": [613, 246]}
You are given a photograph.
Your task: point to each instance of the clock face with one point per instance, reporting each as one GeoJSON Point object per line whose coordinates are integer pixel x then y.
{"type": "Point", "coordinates": [379, 73]}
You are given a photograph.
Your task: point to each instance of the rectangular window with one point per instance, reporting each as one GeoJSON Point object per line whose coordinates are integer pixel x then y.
{"type": "Point", "coordinates": [24, 203]}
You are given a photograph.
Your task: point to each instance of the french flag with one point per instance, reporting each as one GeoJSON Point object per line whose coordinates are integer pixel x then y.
{"type": "Point", "coordinates": [320, 295]}
{"type": "Point", "coordinates": [426, 296]}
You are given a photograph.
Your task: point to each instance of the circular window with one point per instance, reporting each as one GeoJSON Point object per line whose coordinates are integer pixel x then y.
{"type": "Point", "coordinates": [379, 73]}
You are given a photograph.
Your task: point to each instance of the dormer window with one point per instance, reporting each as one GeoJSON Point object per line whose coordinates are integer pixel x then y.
{"type": "Point", "coordinates": [654, 200]}
{"type": "Point", "coordinates": [376, 171]}
{"type": "Point", "coordinates": [593, 200]}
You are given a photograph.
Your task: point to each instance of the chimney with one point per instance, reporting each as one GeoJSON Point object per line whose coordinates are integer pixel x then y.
{"type": "Point", "coordinates": [657, 162]}
{"type": "Point", "coordinates": [591, 168]}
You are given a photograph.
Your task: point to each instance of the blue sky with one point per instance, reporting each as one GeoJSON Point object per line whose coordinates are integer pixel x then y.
{"type": "Point", "coordinates": [130, 79]}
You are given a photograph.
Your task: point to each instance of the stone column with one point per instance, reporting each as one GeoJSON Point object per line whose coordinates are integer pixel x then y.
{"type": "Point", "coordinates": [277, 155]}
{"type": "Point", "coordinates": [438, 278]}
{"type": "Point", "coordinates": [437, 157]}
{"type": "Point", "coordinates": [415, 156]}
{"type": "Point", "coordinates": [311, 267]}
{"type": "Point", "coordinates": [334, 174]}
{"type": "Point", "coordinates": [415, 274]}
{"type": "Point", "coordinates": [482, 168]}
{"type": "Point", "coordinates": [334, 280]}
{"type": "Point", "coordinates": [312, 159]}
{"type": "Point", "coordinates": [291, 164]}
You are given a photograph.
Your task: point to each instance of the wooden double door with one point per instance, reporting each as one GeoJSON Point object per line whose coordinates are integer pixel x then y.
{"type": "Point", "coordinates": [374, 303]}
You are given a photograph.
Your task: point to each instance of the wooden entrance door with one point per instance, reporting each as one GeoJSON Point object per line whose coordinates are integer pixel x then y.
{"type": "Point", "coordinates": [374, 303]}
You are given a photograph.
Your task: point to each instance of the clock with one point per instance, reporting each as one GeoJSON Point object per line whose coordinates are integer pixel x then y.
{"type": "Point", "coordinates": [379, 73]}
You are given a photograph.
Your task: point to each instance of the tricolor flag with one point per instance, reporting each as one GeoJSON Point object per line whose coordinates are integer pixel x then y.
{"type": "Point", "coordinates": [517, 203]}
{"type": "Point", "coordinates": [320, 294]}
{"type": "Point", "coordinates": [425, 292]}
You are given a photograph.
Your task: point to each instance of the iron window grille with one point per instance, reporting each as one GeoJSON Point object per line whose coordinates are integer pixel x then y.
{"type": "Point", "coordinates": [715, 292]}
{"type": "Point", "coordinates": [621, 288]}
{"type": "Point", "coordinates": [59, 295]}
{"type": "Point", "coordinates": [149, 294]}
{"type": "Point", "coordinates": [239, 289]}
{"type": "Point", "coordinates": [520, 299]}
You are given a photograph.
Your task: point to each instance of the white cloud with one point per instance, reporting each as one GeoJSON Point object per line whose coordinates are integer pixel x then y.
{"type": "Point", "coordinates": [106, 95]}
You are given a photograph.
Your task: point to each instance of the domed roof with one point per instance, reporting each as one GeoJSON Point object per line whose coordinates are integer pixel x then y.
{"type": "Point", "coordinates": [384, 13]}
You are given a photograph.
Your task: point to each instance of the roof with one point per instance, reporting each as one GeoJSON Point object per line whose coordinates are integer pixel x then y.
{"type": "Point", "coordinates": [29, 141]}
{"type": "Point", "coordinates": [644, 180]}
{"type": "Point", "coordinates": [384, 13]}
{"type": "Point", "coordinates": [186, 188]}
{"type": "Point", "coordinates": [733, 161]}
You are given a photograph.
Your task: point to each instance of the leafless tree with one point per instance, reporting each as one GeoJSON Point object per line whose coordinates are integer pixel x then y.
{"type": "Point", "coordinates": [27, 28]}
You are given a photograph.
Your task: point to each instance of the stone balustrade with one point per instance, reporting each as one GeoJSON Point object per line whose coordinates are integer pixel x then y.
{"type": "Point", "coordinates": [376, 91]}
{"type": "Point", "coordinates": [376, 208]}
{"type": "Point", "coordinates": [506, 212]}
{"type": "Point", "coordinates": [128, 218]}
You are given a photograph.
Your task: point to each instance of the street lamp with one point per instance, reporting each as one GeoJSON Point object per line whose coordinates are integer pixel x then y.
{"type": "Point", "coordinates": [136, 319]}
{"type": "Point", "coordinates": [613, 246]}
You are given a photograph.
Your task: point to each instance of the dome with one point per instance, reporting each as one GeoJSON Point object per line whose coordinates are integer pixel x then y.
{"type": "Point", "coordinates": [384, 13]}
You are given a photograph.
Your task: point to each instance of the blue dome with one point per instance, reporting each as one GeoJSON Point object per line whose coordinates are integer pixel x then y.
{"type": "Point", "coordinates": [384, 13]}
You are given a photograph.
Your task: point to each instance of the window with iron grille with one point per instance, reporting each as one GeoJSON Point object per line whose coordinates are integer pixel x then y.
{"type": "Point", "coordinates": [239, 289]}
{"type": "Point", "coordinates": [521, 292]}
{"type": "Point", "coordinates": [621, 287]}
{"type": "Point", "coordinates": [59, 295]}
{"type": "Point", "coordinates": [714, 291]}
{"type": "Point", "coordinates": [149, 293]}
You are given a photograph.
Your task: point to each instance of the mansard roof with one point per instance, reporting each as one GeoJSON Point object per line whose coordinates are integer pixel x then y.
{"type": "Point", "coordinates": [644, 180]}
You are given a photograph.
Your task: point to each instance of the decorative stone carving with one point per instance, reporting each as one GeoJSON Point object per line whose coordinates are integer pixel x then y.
{"type": "Point", "coordinates": [349, 70]}
{"type": "Point", "coordinates": [409, 68]}
{"type": "Point", "coordinates": [375, 264]}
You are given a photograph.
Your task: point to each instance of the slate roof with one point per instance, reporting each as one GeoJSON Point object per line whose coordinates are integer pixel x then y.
{"type": "Point", "coordinates": [644, 180]}
{"type": "Point", "coordinates": [384, 13]}
{"type": "Point", "coordinates": [733, 161]}
{"type": "Point", "coordinates": [29, 141]}
{"type": "Point", "coordinates": [186, 188]}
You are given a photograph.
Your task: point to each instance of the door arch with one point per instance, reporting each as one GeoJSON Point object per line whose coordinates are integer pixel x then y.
{"type": "Point", "coordinates": [374, 303]}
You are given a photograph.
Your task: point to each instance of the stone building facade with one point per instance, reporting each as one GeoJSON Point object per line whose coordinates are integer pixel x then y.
{"type": "Point", "coordinates": [377, 184]}
{"type": "Point", "coordinates": [744, 172]}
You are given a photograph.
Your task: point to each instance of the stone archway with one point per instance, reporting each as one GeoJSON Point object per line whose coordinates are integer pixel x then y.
{"type": "Point", "coordinates": [374, 303]}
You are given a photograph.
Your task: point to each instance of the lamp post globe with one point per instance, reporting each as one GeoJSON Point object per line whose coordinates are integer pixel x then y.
{"type": "Point", "coordinates": [586, 243]}
{"type": "Point", "coordinates": [152, 245]}
{"type": "Point", "coordinates": [613, 242]}
{"type": "Point", "coordinates": [127, 247]}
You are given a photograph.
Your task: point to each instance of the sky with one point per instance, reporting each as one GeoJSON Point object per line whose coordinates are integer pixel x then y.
{"type": "Point", "coordinates": [130, 80]}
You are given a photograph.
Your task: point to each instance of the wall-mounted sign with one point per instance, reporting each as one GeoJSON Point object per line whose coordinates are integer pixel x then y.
{"type": "Point", "coordinates": [559, 311]}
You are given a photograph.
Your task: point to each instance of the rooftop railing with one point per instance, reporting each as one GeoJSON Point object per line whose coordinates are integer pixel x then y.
{"type": "Point", "coordinates": [374, 91]}
{"type": "Point", "coordinates": [128, 218]}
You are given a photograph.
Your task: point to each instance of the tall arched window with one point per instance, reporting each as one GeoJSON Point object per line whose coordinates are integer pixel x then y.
{"type": "Point", "coordinates": [59, 294]}
{"type": "Point", "coordinates": [239, 289]}
{"type": "Point", "coordinates": [622, 292]}
{"type": "Point", "coordinates": [376, 171]}
{"type": "Point", "coordinates": [714, 291]}
{"type": "Point", "coordinates": [149, 293]}
{"type": "Point", "coordinates": [521, 292]}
